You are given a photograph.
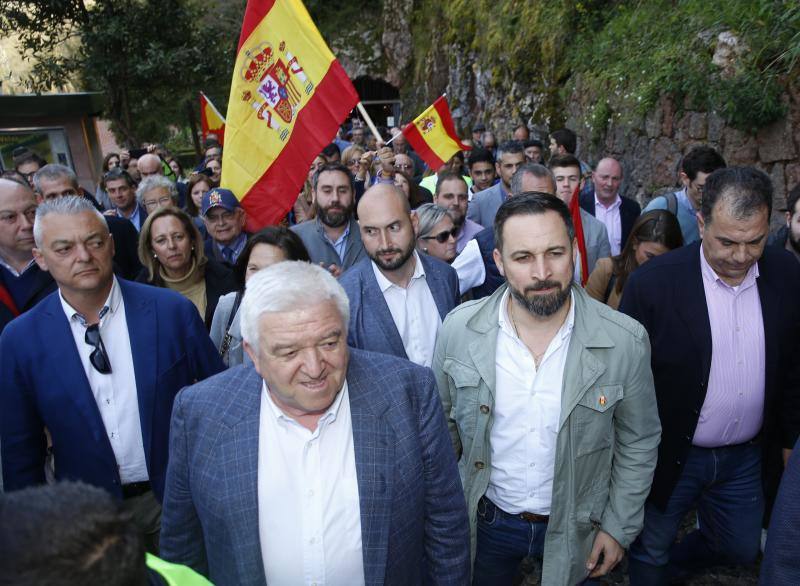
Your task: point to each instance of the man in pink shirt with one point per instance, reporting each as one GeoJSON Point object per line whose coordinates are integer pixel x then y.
{"type": "Point", "coordinates": [723, 318]}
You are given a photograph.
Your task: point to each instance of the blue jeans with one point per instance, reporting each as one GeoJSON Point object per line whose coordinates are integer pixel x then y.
{"type": "Point", "coordinates": [725, 486]}
{"type": "Point", "coordinates": [504, 540]}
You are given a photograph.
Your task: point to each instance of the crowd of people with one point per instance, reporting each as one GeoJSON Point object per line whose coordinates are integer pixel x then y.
{"type": "Point", "coordinates": [420, 376]}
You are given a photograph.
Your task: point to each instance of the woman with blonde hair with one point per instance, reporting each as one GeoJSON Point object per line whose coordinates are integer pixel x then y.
{"type": "Point", "coordinates": [171, 251]}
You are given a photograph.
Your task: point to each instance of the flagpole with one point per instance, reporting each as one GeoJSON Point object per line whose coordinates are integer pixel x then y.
{"type": "Point", "coordinates": [369, 122]}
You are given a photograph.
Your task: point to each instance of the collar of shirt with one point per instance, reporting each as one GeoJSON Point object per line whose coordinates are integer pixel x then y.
{"type": "Point", "coordinates": [710, 276]}
{"type": "Point", "coordinates": [507, 326]}
{"type": "Point", "coordinates": [111, 305]}
{"type": "Point", "coordinates": [327, 418]}
{"type": "Point", "coordinates": [134, 217]}
{"type": "Point", "coordinates": [338, 240]}
{"type": "Point", "coordinates": [617, 203]}
{"type": "Point", "coordinates": [14, 271]}
{"type": "Point", "coordinates": [385, 284]}
{"type": "Point", "coordinates": [237, 245]}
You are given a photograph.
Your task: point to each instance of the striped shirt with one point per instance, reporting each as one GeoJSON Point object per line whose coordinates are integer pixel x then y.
{"type": "Point", "coordinates": [734, 406]}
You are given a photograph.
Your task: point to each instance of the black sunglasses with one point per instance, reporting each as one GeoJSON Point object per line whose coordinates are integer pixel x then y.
{"type": "Point", "coordinates": [442, 237]}
{"type": "Point", "coordinates": [98, 357]}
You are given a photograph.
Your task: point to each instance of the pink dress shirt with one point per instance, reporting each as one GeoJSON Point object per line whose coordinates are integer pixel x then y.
{"type": "Point", "coordinates": [734, 406]}
{"type": "Point", "coordinates": [610, 216]}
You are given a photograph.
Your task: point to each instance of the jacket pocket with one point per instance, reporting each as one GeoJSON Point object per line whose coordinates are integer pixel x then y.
{"type": "Point", "coordinates": [593, 419]}
{"type": "Point", "coordinates": [465, 383]}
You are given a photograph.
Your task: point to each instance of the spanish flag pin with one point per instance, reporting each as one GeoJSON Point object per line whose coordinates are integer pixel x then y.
{"type": "Point", "coordinates": [602, 400]}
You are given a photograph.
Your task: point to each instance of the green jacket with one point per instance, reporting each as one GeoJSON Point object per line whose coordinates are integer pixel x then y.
{"type": "Point", "coordinates": [606, 449]}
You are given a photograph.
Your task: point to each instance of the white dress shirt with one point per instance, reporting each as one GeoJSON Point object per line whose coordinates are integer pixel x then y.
{"type": "Point", "coordinates": [414, 313]}
{"type": "Point", "coordinates": [309, 515]}
{"type": "Point", "coordinates": [526, 413]}
{"type": "Point", "coordinates": [611, 218]}
{"type": "Point", "coordinates": [115, 393]}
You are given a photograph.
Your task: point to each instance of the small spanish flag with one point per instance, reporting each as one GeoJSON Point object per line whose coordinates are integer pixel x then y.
{"type": "Point", "coordinates": [433, 135]}
{"type": "Point", "coordinates": [288, 96]}
{"type": "Point", "coordinates": [211, 121]}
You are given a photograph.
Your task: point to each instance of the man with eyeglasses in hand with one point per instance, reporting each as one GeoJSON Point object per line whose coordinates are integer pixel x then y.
{"type": "Point", "coordinates": [98, 364]}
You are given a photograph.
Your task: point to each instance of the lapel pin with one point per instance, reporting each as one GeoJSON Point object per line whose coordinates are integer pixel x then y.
{"type": "Point", "coordinates": [602, 400]}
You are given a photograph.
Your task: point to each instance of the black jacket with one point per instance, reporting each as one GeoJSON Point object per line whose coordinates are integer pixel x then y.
{"type": "Point", "coordinates": [629, 210]}
{"type": "Point", "coordinates": [42, 287]}
{"type": "Point", "coordinates": [219, 281]}
{"type": "Point", "coordinates": [667, 296]}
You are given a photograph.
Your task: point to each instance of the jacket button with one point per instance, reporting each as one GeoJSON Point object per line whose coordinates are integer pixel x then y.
{"type": "Point", "coordinates": [484, 409]}
{"type": "Point", "coordinates": [479, 465]}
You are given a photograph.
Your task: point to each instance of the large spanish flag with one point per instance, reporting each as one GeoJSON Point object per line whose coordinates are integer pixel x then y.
{"type": "Point", "coordinates": [211, 121]}
{"type": "Point", "coordinates": [433, 135]}
{"type": "Point", "coordinates": [288, 96]}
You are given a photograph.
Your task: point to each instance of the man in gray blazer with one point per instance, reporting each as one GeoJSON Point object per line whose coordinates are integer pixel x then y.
{"type": "Point", "coordinates": [483, 207]}
{"type": "Point", "coordinates": [332, 238]}
{"type": "Point", "coordinates": [398, 296]}
{"type": "Point", "coordinates": [320, 463]}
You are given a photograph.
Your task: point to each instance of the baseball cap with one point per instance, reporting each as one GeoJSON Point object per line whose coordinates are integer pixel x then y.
{"type": "Point", "coordinates": [219, 198]}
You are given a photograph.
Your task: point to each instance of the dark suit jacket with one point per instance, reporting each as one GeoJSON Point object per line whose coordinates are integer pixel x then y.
{"type": "Point", "coordinates": [780, 567]}
{"type": "Point", "coordinates": [43, 384]}
{"type": "Point", "coordinates": [126, 242]}
{"type": "Point", "coordinates": [666, 295]}
{"type": "Point", "coordinates": [43, 286]}
{"type": "Point", "coordinates": [629, 210]}
{"type": "Point", "coordinates": [219, 281]}
{"type": "Point", "coordinates": [371, 324]}
{"type": "Point", "coordinates": [414, 527]}
{"type": "Point", "coordinates": [493, 280]}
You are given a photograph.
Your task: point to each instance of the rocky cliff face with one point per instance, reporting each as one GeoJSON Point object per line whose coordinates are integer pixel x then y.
{"type": "Point", "coordinates": [409, 47]}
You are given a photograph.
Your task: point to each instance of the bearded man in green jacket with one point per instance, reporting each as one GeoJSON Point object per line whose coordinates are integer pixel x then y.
{"type": "Point", "coordinates": [551, 407]}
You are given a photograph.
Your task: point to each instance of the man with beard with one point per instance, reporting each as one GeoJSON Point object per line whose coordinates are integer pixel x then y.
{"type": "Point", "coordinates": [451, 194]}
{"type": "Point", "coordinates": [788, 236]}
{"type": "Point", "coordinates": [551, 408]}
{"type": "Point", "coordinates": [332, 238]}
{"type": "Point", "coordinates": [398, 298]}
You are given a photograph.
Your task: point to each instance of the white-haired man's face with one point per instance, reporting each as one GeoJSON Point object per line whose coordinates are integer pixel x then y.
{"type": "Point", "coordinates": [302, 356]}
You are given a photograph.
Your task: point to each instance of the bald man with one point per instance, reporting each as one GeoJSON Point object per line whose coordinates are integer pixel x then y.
{"type": "Point", "coordinates": [605, 203]}
{"type": "Point", "coordinates": [398, 297]}
{"type": "Point", "coordinates": [22, 283]}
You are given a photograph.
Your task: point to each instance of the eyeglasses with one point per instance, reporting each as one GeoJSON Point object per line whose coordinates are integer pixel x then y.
{"type": "Point", "coordinates": [443, 237]}
{"type": "Point", "coordinates": [157, 203]}
{"type": "Point", "coordinates": [401, 166]}
{"type": "Point", "coordinates": [98, 357]}
{"type": "Point", "coordinates": [217, 218]}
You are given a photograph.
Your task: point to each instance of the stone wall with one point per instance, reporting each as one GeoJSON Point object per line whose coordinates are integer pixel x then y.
{"type": "Point", "coordinates": [650, 148]}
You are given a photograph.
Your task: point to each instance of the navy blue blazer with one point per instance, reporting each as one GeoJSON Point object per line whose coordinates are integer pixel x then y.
{"type": "Point", "coordinates": [666, 295]}
{"type": "Point", "coordinates": [414, 526]}
{"type": "Point", "coordinates": [371, 325]}
{"type": "Point", "coordinates": [493, 279]}
{"type": "Point", "coordinates": [780, 567]}
{"type": "Point", "coordinates": [629, 210]}
{"type": "Point", "coordinates": [43, 384]}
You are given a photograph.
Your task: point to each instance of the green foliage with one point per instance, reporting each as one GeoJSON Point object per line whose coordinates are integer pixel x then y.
{"type": "Point", "coordinates": [634, 52]}
{"type": "Point", "coordinates": [148, 56]}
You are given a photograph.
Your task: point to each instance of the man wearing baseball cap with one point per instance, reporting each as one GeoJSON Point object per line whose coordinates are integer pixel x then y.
{"type": "Point", "coordinates": [225, 220]}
